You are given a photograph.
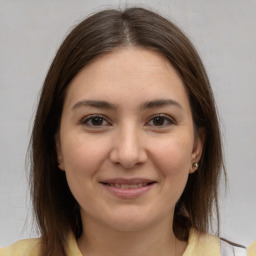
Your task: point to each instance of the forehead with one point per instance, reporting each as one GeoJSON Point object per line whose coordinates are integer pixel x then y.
{"type": "Point", "coordinates": [128, 73]}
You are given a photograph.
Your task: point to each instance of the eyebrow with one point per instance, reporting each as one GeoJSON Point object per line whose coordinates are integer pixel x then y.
{"type": "Point", "coordinates": [95, 104]}
{"type": "Point", "coordinates": [159, 103]}
{"type": "Point", "coordinates": [101, 104]}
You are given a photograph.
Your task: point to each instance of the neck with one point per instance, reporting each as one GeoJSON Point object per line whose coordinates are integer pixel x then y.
{"type": "Point", "coordinates": [159, 239]}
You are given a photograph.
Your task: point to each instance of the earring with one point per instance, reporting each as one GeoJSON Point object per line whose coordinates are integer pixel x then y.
{"type": "Point", "coordinates": [195, 166]}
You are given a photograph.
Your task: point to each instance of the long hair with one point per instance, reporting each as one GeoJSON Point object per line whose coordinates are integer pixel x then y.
{"type": "Point", "coordinates": [56, 210]}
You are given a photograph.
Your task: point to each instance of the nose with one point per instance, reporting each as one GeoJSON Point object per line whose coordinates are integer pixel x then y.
{"type": "Point", "coordinates": [128, 149]}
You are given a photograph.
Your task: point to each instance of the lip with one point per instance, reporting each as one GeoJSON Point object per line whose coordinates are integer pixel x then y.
{"type": "Point", "coordinates": [127, 181]}
{"type": "Point", "coordinates": [128, 193]}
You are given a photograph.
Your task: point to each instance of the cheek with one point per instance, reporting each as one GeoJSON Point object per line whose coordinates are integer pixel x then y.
{"type": "Point", "coordinates": [172, 159]}
{"type": "Point", "coordinates": [174, 156]}
{"type": "Point", "coordinates": [82, 158]}
{"type": "Point", "coordinates": [83, 154]}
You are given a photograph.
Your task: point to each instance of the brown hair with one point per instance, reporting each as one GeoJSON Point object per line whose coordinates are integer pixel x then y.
{"type": "Point", "coordinates": [56, 210]}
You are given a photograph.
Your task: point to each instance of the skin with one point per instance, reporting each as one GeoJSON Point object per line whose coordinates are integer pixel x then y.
{"type": "Point", "coordinates": [128, 141]}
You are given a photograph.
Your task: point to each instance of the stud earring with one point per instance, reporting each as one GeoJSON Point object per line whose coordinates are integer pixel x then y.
{"type": "Point", "coordinates": [195, 166]}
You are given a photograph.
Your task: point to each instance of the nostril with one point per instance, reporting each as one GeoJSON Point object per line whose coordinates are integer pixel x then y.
{"type": "Point", "coordinates": [127, 155]}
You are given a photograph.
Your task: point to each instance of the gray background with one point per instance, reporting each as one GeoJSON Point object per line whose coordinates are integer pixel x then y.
{"type": "Point", "coordinates": [224, 33]}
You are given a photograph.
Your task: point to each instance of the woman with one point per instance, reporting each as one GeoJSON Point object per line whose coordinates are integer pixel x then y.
{"type": "Point", "coordinates": [126, 148]}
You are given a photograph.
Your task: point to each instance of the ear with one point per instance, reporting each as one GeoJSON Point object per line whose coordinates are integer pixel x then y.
{"type": "Point", "coordinates": [59, 152]}
{"type": "Point", "coordinates": [197, 148]}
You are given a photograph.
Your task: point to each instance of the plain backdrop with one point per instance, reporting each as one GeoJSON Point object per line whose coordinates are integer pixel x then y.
{"type": "Point", "coordinates": [223, 31]}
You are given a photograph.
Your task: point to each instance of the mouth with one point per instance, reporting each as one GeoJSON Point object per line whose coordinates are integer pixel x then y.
{"type": "Point", "coordinates": [128, 188]}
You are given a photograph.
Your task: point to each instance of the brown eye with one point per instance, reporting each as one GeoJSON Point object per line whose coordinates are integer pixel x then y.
{"type": "Point", "coordinates": [95, 121]}
{"type": "Point", "coordinates": [160, 121]}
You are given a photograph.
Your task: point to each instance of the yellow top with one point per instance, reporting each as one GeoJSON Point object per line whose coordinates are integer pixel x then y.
{"type": "Point", "coordinates": [252, 249]}
{"type": "Point", "coordinates": [198, 245]}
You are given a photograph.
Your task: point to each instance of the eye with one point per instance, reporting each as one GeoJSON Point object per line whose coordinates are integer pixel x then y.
{"type": "Point", "coordinates": [95, 121]}
{"type": "Point", "coordinates": [160, 120]}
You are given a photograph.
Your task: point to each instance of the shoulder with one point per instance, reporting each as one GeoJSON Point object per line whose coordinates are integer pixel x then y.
{"type": "Point", "coordinates": [28, 247]}
{"type": "Point", "coordinates": [232, 249]}
{"type": "Point", "coordinates": [200, 244]}
{"type": "Point", "coordinates": [251, 250]}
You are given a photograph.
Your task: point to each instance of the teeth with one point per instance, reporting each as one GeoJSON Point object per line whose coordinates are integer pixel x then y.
{"type": "Point", "coordinates": [126, 186]}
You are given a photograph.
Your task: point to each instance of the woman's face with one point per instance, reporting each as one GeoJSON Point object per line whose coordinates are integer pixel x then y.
{"type": "Point", "coordinates": [127, 140]}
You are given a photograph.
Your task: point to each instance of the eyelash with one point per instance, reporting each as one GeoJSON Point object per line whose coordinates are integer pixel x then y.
{"type": "Point", "coordinates": [90, 119]}
{"type": "Point", "coordinates": [167, 121]}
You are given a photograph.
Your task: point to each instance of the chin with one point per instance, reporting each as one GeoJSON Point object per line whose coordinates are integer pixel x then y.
{"type": "Point", "coordinates": [130, 226]}
{"type": "Point", "coordinates": [132, 222]}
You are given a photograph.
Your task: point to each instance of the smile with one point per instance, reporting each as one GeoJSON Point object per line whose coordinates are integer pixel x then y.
{"type": "Point", "coordinates": [128, 189]}
{"type": "Point", "coordinates": [127, 186]}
